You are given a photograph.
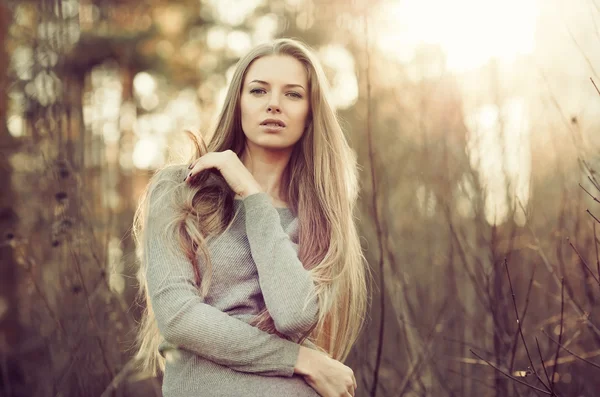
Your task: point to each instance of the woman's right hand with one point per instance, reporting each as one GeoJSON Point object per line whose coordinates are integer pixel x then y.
{"type": "Point", "coordinates": [329, 377]}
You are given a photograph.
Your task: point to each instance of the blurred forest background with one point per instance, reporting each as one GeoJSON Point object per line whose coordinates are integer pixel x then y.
{"type": "Point", "coordinates": [477, 125]}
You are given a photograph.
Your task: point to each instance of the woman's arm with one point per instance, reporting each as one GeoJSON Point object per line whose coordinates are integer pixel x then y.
{"type": "Point", "coordinates": [288, 289]}
{"type": "Point", "coordinates": [285, 283]}
{"type": "Point", "coordinates": [185, 321]}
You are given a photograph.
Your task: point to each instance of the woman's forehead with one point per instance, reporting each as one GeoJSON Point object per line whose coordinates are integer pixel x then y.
{"type": "Point", "coordinates": [277, 70]}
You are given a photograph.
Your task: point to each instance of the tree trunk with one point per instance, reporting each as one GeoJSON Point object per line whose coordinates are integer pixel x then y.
{"type": "Point", "coordinates": [11, 382]}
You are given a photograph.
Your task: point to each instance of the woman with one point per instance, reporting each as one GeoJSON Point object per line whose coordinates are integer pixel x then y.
{"type": "Point", "coordinates": [250, 260]}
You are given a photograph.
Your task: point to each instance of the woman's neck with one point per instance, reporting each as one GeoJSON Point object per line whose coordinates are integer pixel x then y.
{"type": "Point", "coordinates": [267, 167]}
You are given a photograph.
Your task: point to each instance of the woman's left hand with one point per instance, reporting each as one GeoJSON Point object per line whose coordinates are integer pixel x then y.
{"type": "Point", "coordinates": [237, 176]}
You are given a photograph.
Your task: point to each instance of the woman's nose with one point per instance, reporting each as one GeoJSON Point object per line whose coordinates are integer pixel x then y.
{"type": "Point", "coordinates": [274, 108]}
{"type": "Point", "coordinates": [273, 105]}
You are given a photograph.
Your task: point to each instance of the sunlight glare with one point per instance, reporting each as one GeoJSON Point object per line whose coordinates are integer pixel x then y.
{"type": "Point", "coordinates": [234, 12]}
{"type": "Point", "coordinates": [15, 126]}
{"type": "Point", "coordinates": [499, 148]}
{"type": "Point", "coordinates": [470, 32]}
{"type": "Point", "coordinates": [147, 154]}
{"type": "Point", "coordinates": [344, 85]}
{"type": "Point", "coordinates": [238, 42]}
{"type": "Point", "coordinates": [144, 84]}
{"type": "Point", "coordinates": [216, 38]}
{"type": "Point", "coordinates": [265, 28]}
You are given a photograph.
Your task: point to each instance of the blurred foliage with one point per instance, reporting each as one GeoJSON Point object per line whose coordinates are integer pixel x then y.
{"type": "Point", "coordinates": [462, 170]}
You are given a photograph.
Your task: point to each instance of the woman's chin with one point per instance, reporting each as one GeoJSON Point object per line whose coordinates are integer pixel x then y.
{"type": "Point", "coordinates": [276, 147]}
{"type": "Point", "coordinates": [273, 143]}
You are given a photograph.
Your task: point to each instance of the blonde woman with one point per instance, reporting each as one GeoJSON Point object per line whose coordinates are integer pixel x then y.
{"type": "Point", "coordinates": [250, 259]}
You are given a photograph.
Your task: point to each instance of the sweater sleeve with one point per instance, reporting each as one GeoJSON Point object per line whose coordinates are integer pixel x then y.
{"type": "Point", "coordinates": [185, 321]}
{"type": "Point", "coordinates": [288, 288]}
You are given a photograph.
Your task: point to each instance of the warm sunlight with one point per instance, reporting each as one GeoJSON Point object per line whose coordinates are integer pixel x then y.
{"type": "Point", "coordinates": [422, 219]}
{"type": "Point", "coordinates": [470, 32]}
{"type": "Point", "coordinates": [499, 148]}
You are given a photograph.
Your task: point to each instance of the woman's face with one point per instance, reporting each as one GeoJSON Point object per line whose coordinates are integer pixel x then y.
{"type": "Point", "coordinates": [274, 102]}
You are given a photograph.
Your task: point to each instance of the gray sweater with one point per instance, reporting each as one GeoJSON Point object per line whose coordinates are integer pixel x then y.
{"type": "Point", "coordinates": [210, 348]}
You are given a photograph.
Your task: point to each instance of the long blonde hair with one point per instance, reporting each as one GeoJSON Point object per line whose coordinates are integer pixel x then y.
{"type": "Point", "coordinates": [321, 190]}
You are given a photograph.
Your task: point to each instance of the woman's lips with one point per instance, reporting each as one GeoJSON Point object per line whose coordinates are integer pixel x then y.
{"type": "Point", "coordinates": [272, 127]}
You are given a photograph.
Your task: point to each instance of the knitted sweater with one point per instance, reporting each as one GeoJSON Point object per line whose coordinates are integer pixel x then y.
{"type": "Point", "coordinates": [210, 348]}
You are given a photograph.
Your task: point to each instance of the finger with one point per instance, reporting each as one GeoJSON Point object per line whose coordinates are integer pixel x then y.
{"type": "Point", "coordinates": [201, 164]}
{"type": "Point", "coordinates": [354, 381]}
{"type": "Point", "coordinates": [195, 161]}
{"type": "Point", "coordinates": [351, 389]}
{"type": "Point", "coordinates": [350, 394]}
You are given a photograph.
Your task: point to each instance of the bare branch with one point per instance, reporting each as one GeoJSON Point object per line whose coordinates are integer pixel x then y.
{"type": "Point", "coordinates": [592, 215]}
{"type": "Point", "coordinates": [510, 376]}
{"type": "Point", "coordinates": [512, 292]}
{"type": "Point", "coordinates": [376, 218]}
{"type": "Point", "coordinates": [593, 180]}
{"type": "Point", "coordinates": [461, 251]}
{"type": "Point", "coordinates": [425, 353]}
{"type": "Point", "coordinates": [560, 334]}
{"type": "Point", "coordinates": [116, 381]}
{"type": "Point", "coordinates": [596, 246]}
{"type": "Point", "coordinates": [589, 194]}
{"type": "Point", "coordinates": [584, 262]}
{"type": "Point", "coordinates": [466, 344]}
{"type": "Point", "coordinates": [523, 315]}
{"type": "Point", "coordinates": [581, 51]}
{"type": "Point", "coordinates": [91, 313]}
{"type": "Point", "coordinates": [542, 360]}
{"type": "Point", "coordinates": [597, 90]}
{"type": "Point", "coordinates": [593, 364]}
{"type": "Point", "coordinates": [558, 280]}
{"type": "Point", "coordinates": [42, 295]}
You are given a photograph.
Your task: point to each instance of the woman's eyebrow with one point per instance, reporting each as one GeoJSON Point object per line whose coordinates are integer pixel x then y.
{"type": "Point", "coordinates": [287, 85]}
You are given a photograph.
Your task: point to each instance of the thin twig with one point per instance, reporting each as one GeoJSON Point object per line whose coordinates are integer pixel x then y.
{"type": "Point", "coordinates": [523, 315]}
{"type": "Point", "coordinates": [461, 251]}
{"type": "Point", "coordinates": [596, 246]}
{"type": "Point", "coordinates": [425, 352]}
{"type": "Point", "coordinates": [589, 194]}
{"type": "Point", "coordinates": [116, 381]}
{"type": "Point", "coordinates": [510, 376]}
{"type": "Point", "coordinates": [593, 364]}
{"type": "Point", "coordinates": [466, 344]}
{"type": "Point", "coordinates": [592, 215]}
{"type": "Point", "coordinates": [593, 181]}
{"type": "Point", "coordinates": [473, 379]}
{"type": "Point", "coordinates": [584, 262]}
{"type": "Point", "coordinates": [560, 334]}
{"type": "Point", "coordinates": [376, 219]}
{"type": "Point", "coordinates": [542, 359]}
{"type": "Point", "coordinates": [512, 292]}
{"type": "Point", "coordinates": [581, 51]}
{"type": "Point", "coordinates": [91, 313]}
{"type": "Point", "coordinates": [38, 288]}
{"type": "Point", "coordinates": [597, 90]}
{"type": "Point", "coordinates": [557, 279]}
{"type": "Point", "coordinates": [73, 361]}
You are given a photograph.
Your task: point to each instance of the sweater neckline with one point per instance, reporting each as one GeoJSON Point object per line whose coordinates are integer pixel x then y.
{"type": "Point", "coordinates": [281, 209]}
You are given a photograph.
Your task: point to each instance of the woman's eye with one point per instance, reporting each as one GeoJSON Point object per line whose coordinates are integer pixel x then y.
{"type": "Point", "coordinates": [263, 91]}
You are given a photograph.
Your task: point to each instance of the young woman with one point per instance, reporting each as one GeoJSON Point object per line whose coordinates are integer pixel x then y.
{"type": "Point", "coordinates": [250, 259]}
